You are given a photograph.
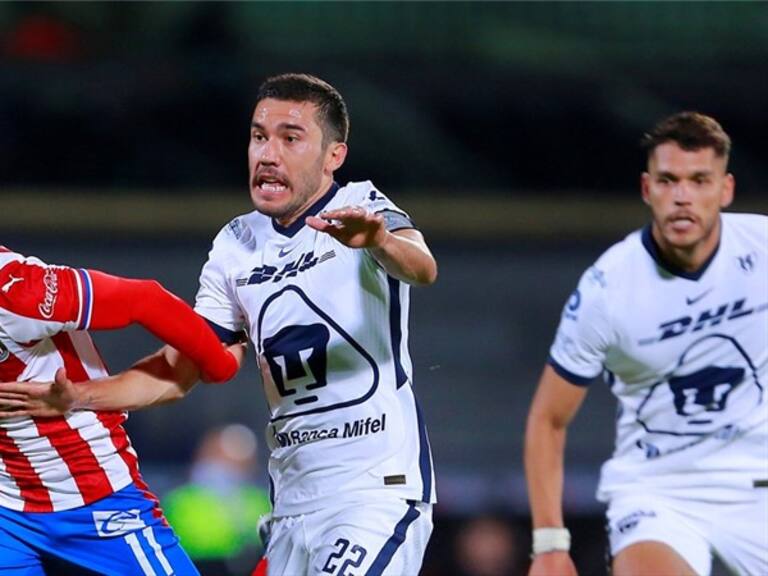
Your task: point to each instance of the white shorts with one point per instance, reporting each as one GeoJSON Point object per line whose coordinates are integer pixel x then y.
{"type": "Point", "coordinates": [387, 537]}
{"type": "Point", "coordinates": [737, 532]}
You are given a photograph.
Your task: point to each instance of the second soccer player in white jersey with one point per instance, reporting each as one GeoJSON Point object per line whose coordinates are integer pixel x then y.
{"type": "Point", "coordinates": [676, 319]}
{"type": "Point", "coordinates": [318, 276]}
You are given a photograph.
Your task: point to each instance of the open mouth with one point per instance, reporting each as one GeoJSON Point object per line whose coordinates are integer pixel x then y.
{"type": "Point", "coordinates": [682, 222]}
{"type": "Point", "coordinates": [271, 183]}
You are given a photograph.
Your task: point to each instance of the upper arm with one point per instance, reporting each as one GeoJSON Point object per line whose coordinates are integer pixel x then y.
{"type": "Point", "coordinates": [585, 333]}
{"type": "Point", "coordinates": [576, 357]}
{"type": "Point", "coordinates": [556, 400]}
{"type": "Point", "coordinates": [215, 300]}
{"type": "Point", "coordinates": [38, 301]}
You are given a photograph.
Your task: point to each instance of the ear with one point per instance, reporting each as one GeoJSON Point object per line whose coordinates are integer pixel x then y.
{"type": "Point", "coordinates": [645, 191]}
{"type": "Point", "coordinates": [335, 156]}
{"type": "Point", "coordinates": [729, 187]}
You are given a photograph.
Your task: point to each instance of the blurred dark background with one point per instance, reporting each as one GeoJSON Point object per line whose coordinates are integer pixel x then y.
{"type": "Point", "coordinates": [508, 130]}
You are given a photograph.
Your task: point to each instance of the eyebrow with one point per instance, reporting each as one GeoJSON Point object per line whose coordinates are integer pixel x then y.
{"type": "Point", "coordinates": [281, 126]}
{"type": "Point", "coordinates": [673, 176]}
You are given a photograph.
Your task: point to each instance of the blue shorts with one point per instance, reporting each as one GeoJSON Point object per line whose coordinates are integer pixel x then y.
{"type": "Point", "coordinates": [124, 534]}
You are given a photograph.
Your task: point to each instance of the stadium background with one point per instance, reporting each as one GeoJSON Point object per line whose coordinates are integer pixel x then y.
{"type": "Point", "coordinates": [508, 130]}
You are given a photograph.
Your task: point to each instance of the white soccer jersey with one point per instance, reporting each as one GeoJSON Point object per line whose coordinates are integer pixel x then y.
{"type": "Point", "coordinates": [330, 330]}
{"type": "Point", "coordinates": [685, 354]}
{"type": "Point", "coordinates": [53, 464]}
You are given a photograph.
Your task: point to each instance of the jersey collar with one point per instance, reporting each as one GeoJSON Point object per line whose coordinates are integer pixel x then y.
{"type": "Point", "coordinates": [653, 250]}
{"type": "Point", "coordinates": [291, 230]}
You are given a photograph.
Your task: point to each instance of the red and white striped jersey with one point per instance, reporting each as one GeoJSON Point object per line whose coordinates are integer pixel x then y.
{"type": "Point", "coordinates": [53, 464]}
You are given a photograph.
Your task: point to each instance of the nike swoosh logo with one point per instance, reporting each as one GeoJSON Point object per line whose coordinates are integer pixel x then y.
{"type": "Point", "coordinates": [695, 299]}
{"type": "Point", "coordinates": [284, 252]}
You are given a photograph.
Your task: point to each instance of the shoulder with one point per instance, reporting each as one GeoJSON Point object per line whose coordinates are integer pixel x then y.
{"type": "Point", "coordinates": [752, 225]}
{"type": "Point", "coordinates": [7, 256]}
{"type": "Point", "coordinates": [356, 192]}
{"type": "Point", "coordinates": [611, 268]}
{"type": "Point", "coordinates": [623, 254]}
{"type": "Point", "coordinates": [13, 261]}
{"type": "Point", "coordinates": [241, 232]}
{"type": "Point", "coordinates": [365, 193]}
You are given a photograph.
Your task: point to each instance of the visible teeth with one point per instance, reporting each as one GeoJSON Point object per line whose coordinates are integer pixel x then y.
{"type": "Point", "coordinates": [272, 187]}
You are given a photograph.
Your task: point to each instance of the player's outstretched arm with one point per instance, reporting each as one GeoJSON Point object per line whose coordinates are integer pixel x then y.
{"type": "Point", "coordinates": [163, 377]}
{"type": "Point", "coordinates": [403, 253]}
{"type": "Point", "coordinates": [554, 405]}
{"type": "Point", "coordinates": [53, 298]}
{"type": "Point", "coordinates": [118, 302]}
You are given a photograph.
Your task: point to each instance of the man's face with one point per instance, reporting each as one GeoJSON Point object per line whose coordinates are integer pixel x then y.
{"type": "Point", "coordinates": [289, 167]}
{"type": "Point", "coordinates": [686, 191]}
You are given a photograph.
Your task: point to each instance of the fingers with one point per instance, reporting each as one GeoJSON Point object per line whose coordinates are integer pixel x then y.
{"type": "Point", "coordinates": [13, 407]}
{"type": "Point", "coordinates": [6, 397]}
{"type": "Point", "coordinates": [13, 388]}
{"type": "Point", "coordinates": [61, 376]}
{"type": "Point", "coordinates": [13, 413]}
{"type": "Point", "coordinates": [350, 214]}
{"type": "Point", "coordinates": [345, 213]}
{"type": "Point", "coordinates": [318, 223]}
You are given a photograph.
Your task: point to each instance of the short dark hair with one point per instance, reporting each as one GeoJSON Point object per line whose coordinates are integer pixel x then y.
{"type": "Point", "coordinates": [691, 131]}
{"type": "Point", "coordinates": [331, 110]}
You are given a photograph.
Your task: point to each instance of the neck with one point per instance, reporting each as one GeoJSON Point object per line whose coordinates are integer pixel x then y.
{"type": "Point", "coordinates": [687, 258]}
{"type": "Point", "coordinates": [325, 185]}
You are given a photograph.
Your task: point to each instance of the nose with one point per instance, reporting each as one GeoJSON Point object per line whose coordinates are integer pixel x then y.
{"type": "Point", "coordinates": [269, 153]}
{"type": "Point", "coordinates": [682, 193]}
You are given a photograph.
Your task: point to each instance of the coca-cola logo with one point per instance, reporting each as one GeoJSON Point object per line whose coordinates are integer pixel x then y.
{"type": "Point", "coordinates": [51, 282]}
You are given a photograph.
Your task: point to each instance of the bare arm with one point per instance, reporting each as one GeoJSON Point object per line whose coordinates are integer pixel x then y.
{"type": "Point", "coordinates": [403, 253]}
{"type": "Point", "coordinates": [162, 377]}
{"type": "Point", "coordinates": [554, 405]}
{"type": "Point", "coordinates": [405, 256]}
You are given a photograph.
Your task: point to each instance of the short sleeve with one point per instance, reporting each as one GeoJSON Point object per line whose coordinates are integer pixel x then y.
{"type": "Point", "coordinates": [394, 217]}
{"type": "Point", "coordinates": [215, 299]}
{"type": "Point", "coordinates": [585, 333]}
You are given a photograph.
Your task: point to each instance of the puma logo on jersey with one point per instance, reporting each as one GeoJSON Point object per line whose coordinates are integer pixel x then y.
{"type": "Point", "coordinates": [7, 286]}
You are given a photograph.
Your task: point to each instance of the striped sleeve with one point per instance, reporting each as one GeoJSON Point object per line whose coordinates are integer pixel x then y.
{"type": "Point", "coordinates": [85, 299]}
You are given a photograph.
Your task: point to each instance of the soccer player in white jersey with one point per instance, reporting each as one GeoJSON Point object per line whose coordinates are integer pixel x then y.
{"type": "Point", "coordinates": [318, 276]}
{"type": "Point", "coordinates": [71, 495]}
{"type": "Point", "coordinates": [675, 317]}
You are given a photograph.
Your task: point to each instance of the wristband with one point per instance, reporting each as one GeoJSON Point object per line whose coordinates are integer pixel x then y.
{"type": "Point", "coordinates": [551, 540]}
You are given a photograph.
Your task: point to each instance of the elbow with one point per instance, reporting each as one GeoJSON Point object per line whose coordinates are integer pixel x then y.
{"type": "Point", "coordinates": [427, 275]}
{"type": "Point", "coordinates": [431, 277]}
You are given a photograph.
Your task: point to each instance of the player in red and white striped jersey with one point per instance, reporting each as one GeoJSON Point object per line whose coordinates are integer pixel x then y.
{"type": "Point", "coordinates": [68, 462]}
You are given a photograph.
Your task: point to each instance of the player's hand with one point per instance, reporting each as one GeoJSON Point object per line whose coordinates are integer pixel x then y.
{"type": "Point", "coordinates": [42, 399]}
{"type": "Point", "coordinates": [353, 226]}
{"type": "Point", "coordinates": [551, 563]}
